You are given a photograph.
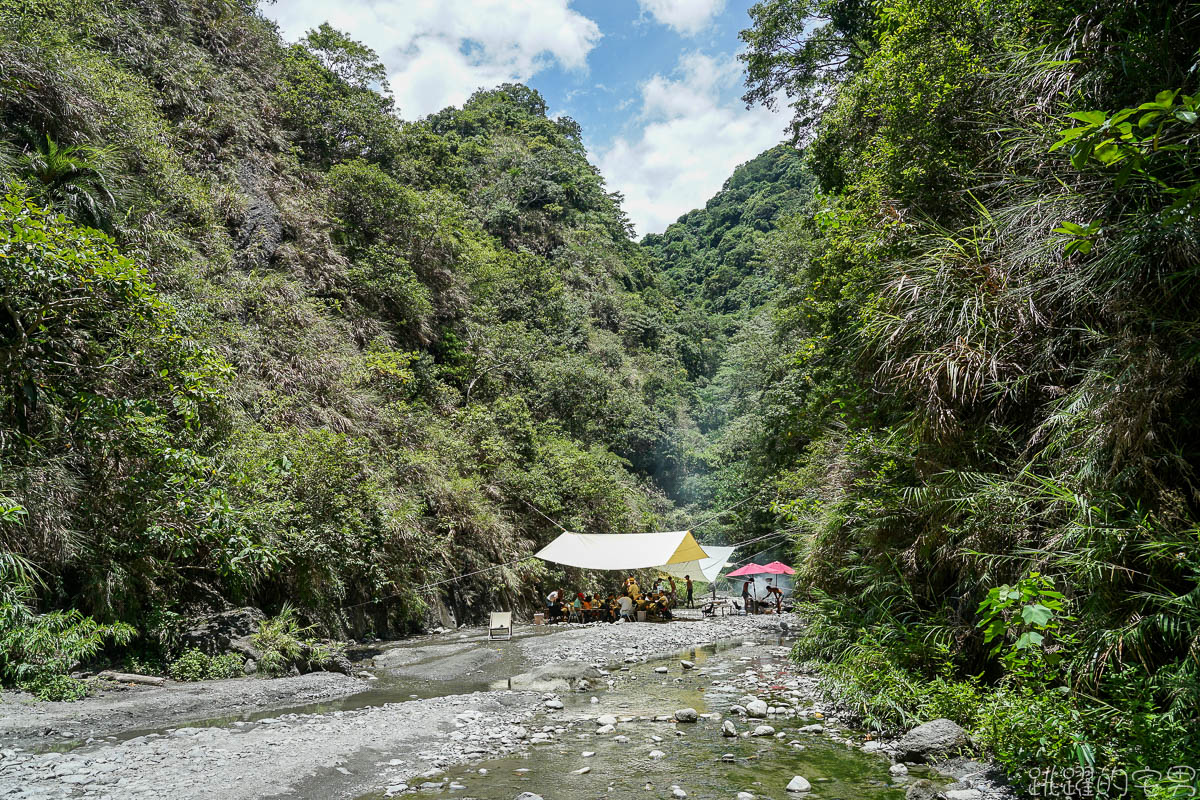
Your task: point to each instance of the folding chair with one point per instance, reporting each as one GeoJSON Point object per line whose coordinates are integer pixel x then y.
{"type": "Point", "coordinates": [500, 625]}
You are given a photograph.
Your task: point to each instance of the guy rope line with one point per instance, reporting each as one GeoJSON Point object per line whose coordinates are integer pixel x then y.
{"type": "Point", "coordinates": [726, 510]}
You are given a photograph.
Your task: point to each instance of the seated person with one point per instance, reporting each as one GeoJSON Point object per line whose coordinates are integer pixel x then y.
{"type": "Point", "coordinates": [556, 605]}
{"type": "Point", "coordinates": [625, 610]}
{"type": "Point", "coordinates": [612, 607]}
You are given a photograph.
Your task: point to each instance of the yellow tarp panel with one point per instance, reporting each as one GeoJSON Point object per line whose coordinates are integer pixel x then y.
{"type": "Point", "coordinates": [689, 550]}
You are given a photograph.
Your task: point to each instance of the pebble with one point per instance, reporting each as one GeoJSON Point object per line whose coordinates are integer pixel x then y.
{"type": "Point", "coordinates": [799, 784]}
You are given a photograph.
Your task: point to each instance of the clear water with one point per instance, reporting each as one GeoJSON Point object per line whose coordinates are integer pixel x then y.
{"type": "Point", "coordinates": [697, 760]}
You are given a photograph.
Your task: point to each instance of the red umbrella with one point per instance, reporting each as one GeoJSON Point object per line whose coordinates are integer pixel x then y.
{"type": "Point", "coordinates": [779, 568]}
{"type": "Point", "coordinates": [749, 569]}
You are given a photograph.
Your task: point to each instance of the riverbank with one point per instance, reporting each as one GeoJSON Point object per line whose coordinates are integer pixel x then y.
{"type": "Point", "coordinates": [602, 718]}
{"type": "Point", "coordinates": [199, 738]}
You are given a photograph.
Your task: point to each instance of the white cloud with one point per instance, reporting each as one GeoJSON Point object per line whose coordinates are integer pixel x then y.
{"type": "Point", "coordinates": [688, 17]}
{"type": "Point", "coordinates": [690, 140]}
{"type": "Point", "coordinates": [440, 51]}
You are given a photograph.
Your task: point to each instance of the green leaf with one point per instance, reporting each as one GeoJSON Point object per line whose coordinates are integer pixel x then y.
{"type": "Point", "coordinates": [1091, 118]}
{"type": "Point", "coordinates": [1036, 614]}
{"type": "Point", "coordinates": [1148, 119]}
{"type": "Point", "coordinates": [1080, 154]}
{"type": "Point", "coordinates": [1029, 640]}
{"type": "Point", "coordinates": [1185, 116]}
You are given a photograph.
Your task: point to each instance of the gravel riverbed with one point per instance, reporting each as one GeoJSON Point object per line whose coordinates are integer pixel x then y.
{"type": "Point", "coordinates": [421, 746]}
{"type": "Point", "coordinates": [330, 754]}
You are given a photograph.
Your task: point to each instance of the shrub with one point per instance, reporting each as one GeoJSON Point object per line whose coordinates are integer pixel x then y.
{"type": "Point", "coordinates": [194, 665]}
{"type": "Point", "coordinates": [226, 665]}
{"type": "Point", "coordinates": [191, 666]}
{"type": "Point", "coordinates": [38, 650]}
{"type": "Point", "coordinates": [283, 645]}
{"type": "Point", "coordinates": [56, 686]}
{"type": "Point", "coordinates": [279, 640]}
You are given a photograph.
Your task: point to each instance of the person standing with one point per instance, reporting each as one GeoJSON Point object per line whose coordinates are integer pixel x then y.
{"type": "Point", "coordinates": [688, 581]}
{"type": "Point", "coordinates": [746, 597]}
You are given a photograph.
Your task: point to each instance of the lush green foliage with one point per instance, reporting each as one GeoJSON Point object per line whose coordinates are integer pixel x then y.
{"type": "Point", "coordinates": [980, 413]}
{"type": "Point", "coordinates": [318, 354]}
{"type": "Point", "coordinates": [284, 646]}
{"type": "Point", "coordinates": [193, 665]}
{"type": "Point", "coordinates": [37, 651]}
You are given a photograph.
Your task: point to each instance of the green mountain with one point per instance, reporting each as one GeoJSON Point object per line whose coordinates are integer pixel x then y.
{"type": "Point", "coordinates": [266, 343]}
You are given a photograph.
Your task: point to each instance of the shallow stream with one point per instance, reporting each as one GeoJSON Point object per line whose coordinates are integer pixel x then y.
{"type": "Point", "coordinates": [696, 757]}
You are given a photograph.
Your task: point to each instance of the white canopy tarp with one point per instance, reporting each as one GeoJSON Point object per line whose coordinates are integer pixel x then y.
{"type": "Point", "coordinates": [622, 551]}
{"type": "Point", "coordinates": [709, 567]}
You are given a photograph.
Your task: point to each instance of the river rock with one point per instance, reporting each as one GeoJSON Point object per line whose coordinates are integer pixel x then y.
{"type": "Point", "coordinates": [799, 784]}
{"type": "Point", "coordinates": [687, 664]}
{"type": "Point", "coordinates": [728, 729]}
{"type": "Point", "coordinates": [898, 770]}
{"type": "Point", "coordinates": [528, 796]}
{"type": "Point", "coordinates": [815, 728]}
{"type": "Point", "coordinates": [963, 794]}
{"type": "Point", "coordinates": [686, 715]}
{"type": "Point", "coordinates": [583, 770]}
{"type": "Point", "coordinates": [660, 670]}
{"type": "Point", "coordinates": [678, 793]}
{"type": "Point", "coordinates": [606, 719]}
{"type": "Point", "coordinates": [941, 737]}
{"type": "Point", "coordinates": [605, 729]}
{"type": "Point", "coordinates": [655, 755]}
{"type": "Point", "coordinates": [921, 790]}
{"type": "Point", "coordinates": [756, 708]}
{"type": "Point", "coordinates": [763, 730]}
{"type": "Point", "coordinates": [744, 796]}
{"type": "Point", "coordinates": [560, 676]}
{"type": "Point", "coordinates": [554, 704]}
{"type": "Point", "coordinates": [228, 630]}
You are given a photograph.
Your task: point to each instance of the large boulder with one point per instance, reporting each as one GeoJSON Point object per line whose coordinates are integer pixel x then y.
{"type": "Point", "coordinates": [922, 790]}
{"type": "Point", "coordinates": [225, 632]}
{"type": "Point", "coordinates": [935, 739]}
{"type": "Point", "coordinates": [560, 676]}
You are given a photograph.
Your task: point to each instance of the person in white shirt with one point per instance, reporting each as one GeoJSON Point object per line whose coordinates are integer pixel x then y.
{"type": "Point", "coordinates": [626, 604]}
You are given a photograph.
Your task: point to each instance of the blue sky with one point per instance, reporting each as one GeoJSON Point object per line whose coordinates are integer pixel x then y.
{"type": "Point", "coordinates": [654, 83]}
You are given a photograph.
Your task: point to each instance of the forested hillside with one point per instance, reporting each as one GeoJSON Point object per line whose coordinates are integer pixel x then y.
{"type": "Point", "coordinates": [977, 391]}
{"type": "Point", "coordinates": [715, 262]}
{"type": "Point", "coordinates": [264, 342]}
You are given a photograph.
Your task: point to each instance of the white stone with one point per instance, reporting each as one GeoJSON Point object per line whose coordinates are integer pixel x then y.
{"type": "Point", "coordinates": [799, 784]}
